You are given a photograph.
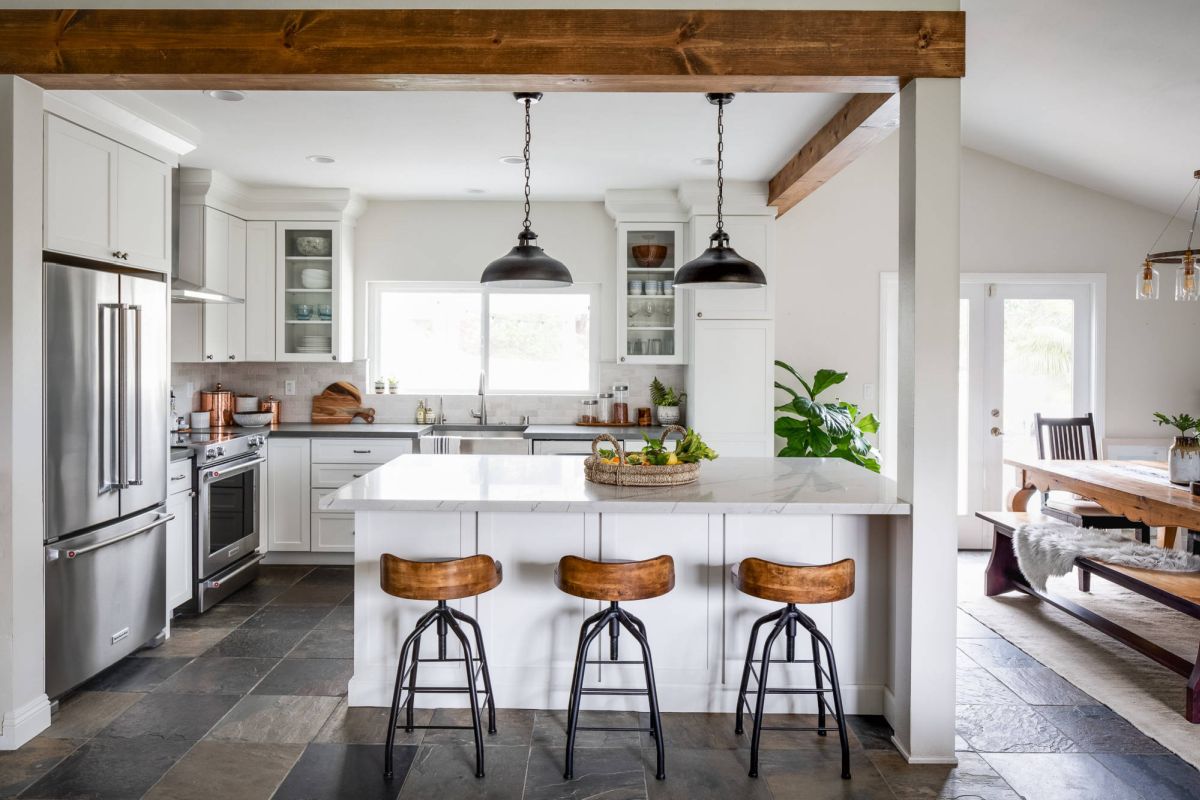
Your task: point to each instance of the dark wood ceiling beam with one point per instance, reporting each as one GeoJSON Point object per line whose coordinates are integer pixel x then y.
{"type": "Point", "coordinates": [472, 49]}
{"type": "Point", "coordinates": [865, 120]}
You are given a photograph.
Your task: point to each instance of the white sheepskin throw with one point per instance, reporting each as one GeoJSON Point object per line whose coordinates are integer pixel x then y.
{"type": "Point", "coordinates": [1046, 549]}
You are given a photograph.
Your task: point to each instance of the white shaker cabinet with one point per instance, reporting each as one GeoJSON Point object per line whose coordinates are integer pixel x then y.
{"type": "Point", "coordinates": [731, 385]}
{"type": "Point", "coordinates": [180, 555]}
{"type": "Point", "coordinates": [288, 517]}
{"type": "Point", "coordinates": [103, 200]}
{"type": "Point", "coordinates": [753, 239]}
{"type": "Point", "coordinates": [314, 292]}
{"type": "Point", "coordinates": [212, 253]}
{"type": "Point", "coordinates": [259, 309]}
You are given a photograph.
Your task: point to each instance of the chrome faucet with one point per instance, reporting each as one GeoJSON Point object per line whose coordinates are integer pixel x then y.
{"type": "Point", "coordinates": [481, 414]}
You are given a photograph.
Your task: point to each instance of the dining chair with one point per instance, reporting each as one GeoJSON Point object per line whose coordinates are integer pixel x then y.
{"type": "Point", "coordinates": [1074, 438]}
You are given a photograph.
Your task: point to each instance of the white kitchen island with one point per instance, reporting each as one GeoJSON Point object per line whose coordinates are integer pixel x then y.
{"type": "Point", "coordinates": [527, 512]}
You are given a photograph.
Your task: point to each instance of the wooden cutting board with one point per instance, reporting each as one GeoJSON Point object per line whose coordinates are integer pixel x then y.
{"type": "Point", "coordinates": [339, 404]}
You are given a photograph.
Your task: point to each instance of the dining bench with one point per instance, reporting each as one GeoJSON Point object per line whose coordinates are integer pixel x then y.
{"type": "Point", "coordinates": [1178, 591]}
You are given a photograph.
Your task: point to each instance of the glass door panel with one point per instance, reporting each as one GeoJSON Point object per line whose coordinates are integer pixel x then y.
{"type": "Point", "coordinates": [308, 286]}
{"type": "Point", "coordinates": [650, 324]}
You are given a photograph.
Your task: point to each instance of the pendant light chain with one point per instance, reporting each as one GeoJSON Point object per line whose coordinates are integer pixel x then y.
{"type": "Point", "coordinates": [528, 138]}
{"type": "Point", "coordinates": [720, 166]}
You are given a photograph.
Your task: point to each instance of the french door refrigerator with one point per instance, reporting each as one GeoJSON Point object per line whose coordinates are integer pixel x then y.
{"type": "Point", "coordinates": [105, 468]}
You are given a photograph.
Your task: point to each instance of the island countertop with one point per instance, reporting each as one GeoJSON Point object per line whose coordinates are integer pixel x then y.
{"type": "Point", "coordinates": [556, 484]}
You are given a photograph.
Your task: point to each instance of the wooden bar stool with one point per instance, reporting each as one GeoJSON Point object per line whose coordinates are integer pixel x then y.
{"type": "Point", "coordinates": [450, 579]}
{"type": "Point", "coordinates": [614, 581]}
{"type": "Point", "coordinates": [792, 584]}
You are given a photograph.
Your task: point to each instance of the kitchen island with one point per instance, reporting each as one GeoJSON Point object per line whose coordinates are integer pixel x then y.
{"type": "Point", "coordinates": [527, 512]}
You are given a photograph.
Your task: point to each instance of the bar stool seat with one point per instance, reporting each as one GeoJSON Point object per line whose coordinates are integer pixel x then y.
{"type": "Point", "coordinates": [792, 584]}
{"type": "Point", "coordinates": [614, 582]}
{"type": "Point", "coordinates": [440, 580]}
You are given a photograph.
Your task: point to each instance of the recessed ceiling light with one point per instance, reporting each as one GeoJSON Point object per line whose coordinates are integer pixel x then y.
{"type": "Point", "coordinates": [229, 95]}
{"type": "Point", "coordinates": [512, 159]}
{"type": "Point", "coordinates": [474, 190]}
{"type": "Point", "coordinates": [322, 159]}
{"type": "Point", "coordinates": [704, 161]}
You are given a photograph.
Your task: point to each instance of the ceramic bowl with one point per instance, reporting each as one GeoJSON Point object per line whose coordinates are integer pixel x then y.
{"type": "Point", "coordinates": [649, 256]}
{"type": "Point", "coordinates": [253, 420]}
{"type": "Point", "coordinates": [315, 278]}
{"type": "Point", "coordinates": [313, 245]}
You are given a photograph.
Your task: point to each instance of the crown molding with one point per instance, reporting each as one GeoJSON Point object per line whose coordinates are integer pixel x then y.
{"type": "Point", "coordinates": [118, 123]}
{"type": "Point", "coordinates": [644, 205]}
{"type": "Point", "coordinates": [742, 198]}
{"type": "Point", "coordinates": [218, 190]}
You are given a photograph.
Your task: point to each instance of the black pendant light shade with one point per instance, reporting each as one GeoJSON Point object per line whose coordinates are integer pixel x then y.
{"type": "Point", "coordinates": [526, 266]}
{"type": "Point", "coordinates": [720, 266]}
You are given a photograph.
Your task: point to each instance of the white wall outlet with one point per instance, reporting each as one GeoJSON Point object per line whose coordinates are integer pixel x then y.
{"type": "Point", "coordinates": [289, 387]}
{"type": "Point", "coordinates": [868, 393]}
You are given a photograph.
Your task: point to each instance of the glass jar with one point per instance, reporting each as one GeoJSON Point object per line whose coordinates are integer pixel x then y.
{"type": "Point", "coordinates": [620, 404]}
{"type": "Point", "coordinates": [588, 412]}
{"type": "Point", "coordinates": [604, 414]}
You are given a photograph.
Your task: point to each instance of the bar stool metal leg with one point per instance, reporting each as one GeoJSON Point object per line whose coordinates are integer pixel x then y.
{"type": "Point", "coordinates": [577, 689]}
{"type": "Point", "coordinates": [469, 663]}
{"type": "Point", "coordinates": [837, 692]}
{"type": "Point", "coordinates": [412, 685]}
{"type": "Point", "coordinates": [820, 681]}
{"type": "Point", "coordinates": [741, 701]}
{"type": "Point", "coordinates": [422, 624]}
{"type": "Point", "coordinates": [761, 700]}
{"type": "Point", "coordinates": [487, 677]}
{"type": "Point", "coordinates": [638, 631]}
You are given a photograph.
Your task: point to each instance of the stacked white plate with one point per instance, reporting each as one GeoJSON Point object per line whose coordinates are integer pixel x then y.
{"type": "Point", "coordinates": [313, 278]}
{"type": "Point", "coordinates": [314, 343]}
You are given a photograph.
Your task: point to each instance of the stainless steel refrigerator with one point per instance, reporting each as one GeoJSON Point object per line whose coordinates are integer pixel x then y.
{"type": "Point", "coordinates": [106, 397]}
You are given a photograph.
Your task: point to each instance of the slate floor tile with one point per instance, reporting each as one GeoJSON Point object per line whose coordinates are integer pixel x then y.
{"type": "Point", "coordinates": [788, 740]}
{"type": "Point", "coordinates": [368, 725]}
{"type": "Point", "coordinates": [980, 687]}
{"type": "Point", "coordinates": [800, 775]}
{"type": "Point", "coordinates": [218, 675]}
{"type": "Point", "coordinates": [1165, 777]}
{"type": "Point", "coordinates": [136, 674]}
{"type": "Point", "coordinates": [268, 718]}
{"type": "Point", "coordinates": [83, 714]}
{"type": "Point", "coordinates": [303, 618]}
{"type": "Point", "coordinates": [187, 642]}
{"type": "Point", "coordinates": [972, 777]}
{"type": "Point", "coordinates": [255, 594]}
{"type": "Point", "coordinates": [1098, 729]}
{"type": "Point", "coordinates": [308, 676]}
{"type": "Point", "coordinates": [1041, 686]}
{"type": "Point", "coordinates": [345, 771]}
{"type": "Point", "coordinates": [170, 717]}
{"type": "Point", "coordinates": [1056, 776]}
{"type": "Point", "coordinates": [448, 771]}
{"type": "Point", "coordinates": [550, 728]}
{"type": "Point", "coordinates": [873, 732]}
{"type": "Point", "coordinates": [320, 594]}
{"type": "Point", "coordinates": [261, 643]}
{"type": "Point", "coordinates": [109, 769]}
{"type": "Point", "coordinates": [612, 773]}
{"type": "Point", "coordinates": [989, 653]}
{"type": "Point", "coordinates": [971, 628]}
{"type": "Point", "coordinates": [1010, 729]}
{"type": "Point", "coordinates": [694, 774]}
{"type": "Point", "coordinates": [242, 770]}
{"type": "Point", "coordinates": [20, 768]}
{"type": "Point", "coordinates": [282, 574]}
{"type": "Point", "coordinates": [514, 726]}
{"type": "Point", "coordinates": [222, 615]}
{"type": "Point", "coordinates": [696, 731]}
{"type": "Point", "coordinates": [329, 576]}
{"type": "Point", "coordinates": [325, 643]}
{"type": "Point", "coordinates": [342, 618]}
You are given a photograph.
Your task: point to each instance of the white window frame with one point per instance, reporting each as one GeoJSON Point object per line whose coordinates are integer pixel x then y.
{"type": "Point", "coordinates": [376, 288]}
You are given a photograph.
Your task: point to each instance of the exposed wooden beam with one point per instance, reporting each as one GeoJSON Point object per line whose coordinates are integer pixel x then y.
{"type": "Point", "coordinates": [865, 120]}
{"type": "Point", "coordinates": [498, 49]}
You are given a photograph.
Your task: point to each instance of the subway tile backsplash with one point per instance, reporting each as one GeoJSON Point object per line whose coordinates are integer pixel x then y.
{"type": "Point", "coordinates": [267, 378]}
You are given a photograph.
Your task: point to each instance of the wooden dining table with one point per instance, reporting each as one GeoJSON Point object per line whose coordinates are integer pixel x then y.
{"type": "Point", "coordinates": [1137, 490]}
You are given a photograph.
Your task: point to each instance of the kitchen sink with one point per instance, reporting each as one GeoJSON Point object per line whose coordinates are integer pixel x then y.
{"type": "Point", "coordinates": [498, 439]}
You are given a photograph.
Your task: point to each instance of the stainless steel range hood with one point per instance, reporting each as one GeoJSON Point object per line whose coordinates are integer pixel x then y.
{"type": "Point", "coordinates": [183, 291]}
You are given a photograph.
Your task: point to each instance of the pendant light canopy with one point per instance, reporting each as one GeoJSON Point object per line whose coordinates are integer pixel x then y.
{"type": "Point", "coordinates": [720, 267]}
{"type": "Point", "coordinates": [1187, 274]}
{"type": "Point", "coordinates": [526, 266]}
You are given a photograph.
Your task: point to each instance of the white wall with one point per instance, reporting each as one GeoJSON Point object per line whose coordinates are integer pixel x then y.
{"type": "Point", "coordinates": [832, 247]}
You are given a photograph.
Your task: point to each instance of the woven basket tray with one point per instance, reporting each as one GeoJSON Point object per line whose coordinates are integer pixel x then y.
{"type": "Point", "coordinates": [622, 474]}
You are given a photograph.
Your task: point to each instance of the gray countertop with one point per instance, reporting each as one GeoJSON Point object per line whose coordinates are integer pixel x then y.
{"type": "Point", "coordinates": [587, 433]}
{"type": "Point", "coordinates": [307, 430]}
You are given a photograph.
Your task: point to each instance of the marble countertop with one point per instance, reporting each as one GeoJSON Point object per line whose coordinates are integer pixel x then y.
{"type": "Point", "coordinates": [308, 430]}
{"type": "Point", "coordinates": [556, 484]}
{"type": "Point", "coordinates": [587, 433]}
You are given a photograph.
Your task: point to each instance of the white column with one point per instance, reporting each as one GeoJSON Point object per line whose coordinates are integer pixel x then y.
{"type": "Point", "coordinates": [925, 549]}
{"type": "Point", "coordinates": [24, 710]}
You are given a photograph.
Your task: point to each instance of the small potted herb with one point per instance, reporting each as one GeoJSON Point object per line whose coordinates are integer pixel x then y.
{"type": "Point", "coordinates": [394, 385]}
{"type": "Point", "coordinates": [666, 402]}
{"type": "Point", "coordinates": [380, 385]}
{"type": "Point", "coordinates": [1183, 466]}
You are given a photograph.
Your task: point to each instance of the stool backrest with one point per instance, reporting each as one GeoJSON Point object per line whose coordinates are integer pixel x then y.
{"type": "Point", "coordinates": [615, 580]}
{"type": "Point", "coordinates": [438, 580]}
{"type": "Point", "coordinates": [1066, 438]}
{"type": "Point", "coordinates": [796, 583]}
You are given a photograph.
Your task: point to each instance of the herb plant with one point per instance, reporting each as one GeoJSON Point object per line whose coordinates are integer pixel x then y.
{"type": "Point", "coordinates": [824, 430]}
{"type": "Point", "coordinates": [1182, 422]}
{"type": "Point", "coordinates": [661, 395]}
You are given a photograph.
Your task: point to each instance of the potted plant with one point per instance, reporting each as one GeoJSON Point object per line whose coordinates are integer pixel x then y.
{"type": "Point", "coordinates": [666, 402]}
{"type": "Point", "coordinates": [824, 430]}
{"type": "Point", "coordinates": [380, 385]}
{"type": "Point", "coordinates": [394, 385]}
{"type": "Point", "coordinates": [1183, 466]}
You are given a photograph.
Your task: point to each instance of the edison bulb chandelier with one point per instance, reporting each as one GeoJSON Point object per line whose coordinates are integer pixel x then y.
{"type": "Point", "coordinates": [1187, 281]}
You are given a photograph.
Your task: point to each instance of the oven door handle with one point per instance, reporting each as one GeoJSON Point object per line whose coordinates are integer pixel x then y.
{"type": "Point", "coordinates": [215, 583]}
{"type": "Point", "coordinates": [208, 476]}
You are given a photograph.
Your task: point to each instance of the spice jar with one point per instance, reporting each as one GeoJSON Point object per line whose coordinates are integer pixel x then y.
{"type": "Point", "coordinates": [620, 406]}
{"type": "Point", "coordinates": [604, 409]}
{"type": "Point", "coordinates": [587, 411]}
{"type": "Point", "coordinates": [643, 417]}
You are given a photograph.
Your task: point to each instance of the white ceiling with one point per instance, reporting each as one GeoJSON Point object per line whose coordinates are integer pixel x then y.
{"type": "Point", "coordinates": [1103, 93]}
{"type": "Point", "coordinates": [442, 144]}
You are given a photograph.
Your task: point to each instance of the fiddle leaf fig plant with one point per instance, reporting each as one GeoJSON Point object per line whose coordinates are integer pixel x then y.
{"type": "Point", "coordinates": [814, 429]}
{"type": "Point", "coordinates": [1182, 422]}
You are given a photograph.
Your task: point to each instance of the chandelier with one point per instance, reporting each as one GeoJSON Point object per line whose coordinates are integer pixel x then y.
{"type": "Point", "coordinates": [1187, 282]}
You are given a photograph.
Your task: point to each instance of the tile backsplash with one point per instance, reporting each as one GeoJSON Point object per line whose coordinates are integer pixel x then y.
{"type": "Point", "coordinates": [267, 378]}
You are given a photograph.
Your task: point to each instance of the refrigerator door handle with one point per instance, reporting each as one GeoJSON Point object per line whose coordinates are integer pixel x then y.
{"type": "Point", "coordinates": [122, 400]}
{"type": "Point", "coordinates": [132, 313]}
{"type": "Point", "coordinates": [109, 396]}
{"type": "Point", "coordinates": [54, 553]}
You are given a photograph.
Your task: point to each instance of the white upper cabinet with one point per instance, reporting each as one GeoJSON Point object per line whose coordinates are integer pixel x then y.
{"type": "Point", "coordinates": [235, 263]}
{"type": "Point", "coordinates": [260, 291]}
{"type": "Point", "coordinates": [752, 238]}
{"type": "Point", "coordinates": [212, 253]}
{"type": "Point", "coordinates": [314, 293]}
{"type": "Point", "coordinates": [104, 200]}
{"type": "Point", "coordinates": [650, 322]}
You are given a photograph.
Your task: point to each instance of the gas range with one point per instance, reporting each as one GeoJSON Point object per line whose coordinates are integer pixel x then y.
{"type": "Point", "coordinates": [220, 445]}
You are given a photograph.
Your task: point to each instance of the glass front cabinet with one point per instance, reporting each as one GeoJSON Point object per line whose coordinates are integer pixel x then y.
{"type": "Point", "coordinates": [312, 314]}
{"type": "Point", "coordinates": [649, 322]}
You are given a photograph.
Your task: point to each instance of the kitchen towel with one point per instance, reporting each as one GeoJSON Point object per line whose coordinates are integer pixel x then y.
{"type": "Point", "coordinates": [440, 444]}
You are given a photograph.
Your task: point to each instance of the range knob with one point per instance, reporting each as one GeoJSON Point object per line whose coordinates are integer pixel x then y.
{"type": "Point", "coordinates": [221, 450]}
{"type": "Point", "coordinates": [210, 454]}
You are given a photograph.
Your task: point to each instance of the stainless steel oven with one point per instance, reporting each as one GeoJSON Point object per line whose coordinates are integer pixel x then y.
{"type": "Point", "coordinates": [227, 519]}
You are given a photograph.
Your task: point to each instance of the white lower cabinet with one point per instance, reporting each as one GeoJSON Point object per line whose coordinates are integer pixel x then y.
{"type": "Point", "coordinates": [288, 516]}
{"type": "Point", "coordinates": [180, 556]}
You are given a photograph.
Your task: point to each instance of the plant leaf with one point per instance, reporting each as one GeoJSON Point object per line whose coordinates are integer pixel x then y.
{"type": "Point", "coordinates": [867, 424]}
{"type": "Point", "coordinates": [787, 427]}
{"type": "Point", "coordinates": [793, 452]}
{"type": "Point", "coordinates": [796, 375]}
{"type": "Point", "coordinates": [787, 389]}
{"type": "Point", "coordinates": [820, 443]}
{"type": "Point", "coordinates": [824, 379]}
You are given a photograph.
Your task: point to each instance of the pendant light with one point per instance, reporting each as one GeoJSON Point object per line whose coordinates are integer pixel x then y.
{"type": "Point", "coordinates": [526, 266]}
{"type": "Point", "coordinates": [720, 267]}
{"type": "Point", "coordinates": [1187, 278]}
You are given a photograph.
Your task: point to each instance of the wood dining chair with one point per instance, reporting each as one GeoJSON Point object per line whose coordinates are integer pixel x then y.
{"type": "Point", "coordinates": [1074, 438]}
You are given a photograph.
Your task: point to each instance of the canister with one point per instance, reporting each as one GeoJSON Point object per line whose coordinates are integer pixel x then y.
{"type": "Point", "coordinates": [273, 405]}
{"type": "Point", "coordinates": [219, 404]}
{"type": "Point", "coordinates": [245, 404]}
{"type": "Point", "coordinates": [620, 405]}
{"type": "Point", "coordinates": [604, 407]}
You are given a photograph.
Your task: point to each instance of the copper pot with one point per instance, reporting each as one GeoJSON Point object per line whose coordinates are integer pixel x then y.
{"type": "Point", "coordinates": [219, 405]}
{"type": "Point", "coordinates": [273, 405]}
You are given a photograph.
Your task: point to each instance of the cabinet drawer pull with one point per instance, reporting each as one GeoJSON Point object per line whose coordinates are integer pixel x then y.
{"type": "Point", "coordinates": [178, 477]}
{"type": "Point", "coordinates": [362, 453]}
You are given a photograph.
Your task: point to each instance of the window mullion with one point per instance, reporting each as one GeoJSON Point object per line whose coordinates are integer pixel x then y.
{"type": "Point", "coordinates": [485, 332]}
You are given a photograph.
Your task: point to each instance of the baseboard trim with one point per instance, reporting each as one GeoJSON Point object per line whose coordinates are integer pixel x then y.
{"type": "Point", "coordinates": [22, 724]}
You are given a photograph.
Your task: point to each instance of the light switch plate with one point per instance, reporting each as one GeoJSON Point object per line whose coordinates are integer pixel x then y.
{"type": "Point", "coordinates": [868, 393]}
{"type": "Point", "coordinates": [289, 387]}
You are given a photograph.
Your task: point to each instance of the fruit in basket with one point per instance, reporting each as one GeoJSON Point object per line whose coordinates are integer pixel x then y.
{"type": "Point", "coordinates": [634, 459]}
{"type": "Point", "coordinates": [692, 449]}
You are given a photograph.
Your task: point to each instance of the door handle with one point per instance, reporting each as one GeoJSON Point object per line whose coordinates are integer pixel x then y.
{"type": "Point", "coordinates": [122, 399]}
{"type": "Point", "coordinates": [136, 312]}
{"type": "Point", "coordinates": [996, 431]}
{"type": "Point", "coordinates": [54, 552]}
{"type": "Point", "coordinates": [216, 583]}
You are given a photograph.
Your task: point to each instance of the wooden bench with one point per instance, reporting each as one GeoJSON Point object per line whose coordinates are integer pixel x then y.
{"type": "Point", "coordinates": [1179, 591]}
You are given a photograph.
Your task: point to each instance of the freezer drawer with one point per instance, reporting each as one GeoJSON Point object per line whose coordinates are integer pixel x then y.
{"type": "Point", "coordinates": [105, 597]}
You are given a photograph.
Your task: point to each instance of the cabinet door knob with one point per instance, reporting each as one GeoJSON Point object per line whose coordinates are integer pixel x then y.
{"type": "Point", "coordinates": [209, 357]}
{"type": "Point", "coordinates": [622, 358]}
{"type": "Point", "coordinates": [334, 358]}
{"type": "Point", "coordinates": [699, 314]}
{"type": "Point", "coordinates": [125, 256]}
{"type": "Point", "coordinates": [116, 254]}
{"type": "Point", "coordinates": [232, 357]}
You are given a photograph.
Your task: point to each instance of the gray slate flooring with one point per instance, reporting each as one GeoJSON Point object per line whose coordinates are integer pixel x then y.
{"type": "Point", "coordinates": [248, 703]}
